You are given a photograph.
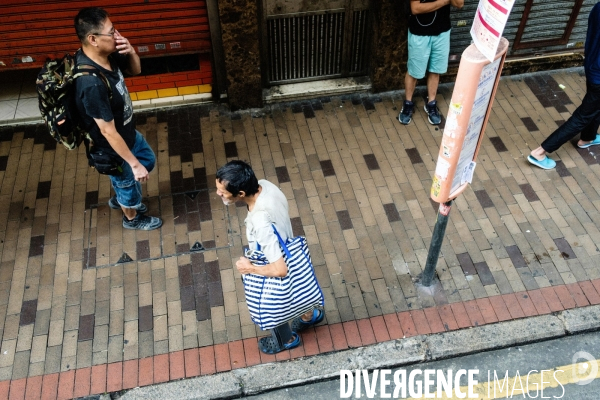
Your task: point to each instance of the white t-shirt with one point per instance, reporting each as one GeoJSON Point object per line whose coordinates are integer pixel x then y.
{"type": "Point", "coordinates": [271, 207]}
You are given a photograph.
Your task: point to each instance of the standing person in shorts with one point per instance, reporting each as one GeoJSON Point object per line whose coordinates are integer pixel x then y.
{"type": "Point", "coordinates": [428, 51]}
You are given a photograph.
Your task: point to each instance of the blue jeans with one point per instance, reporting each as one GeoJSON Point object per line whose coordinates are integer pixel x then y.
{"type": "Point", "coordinates": [585, 119]}
{"type": "Point", "coordinates": [128, 190]}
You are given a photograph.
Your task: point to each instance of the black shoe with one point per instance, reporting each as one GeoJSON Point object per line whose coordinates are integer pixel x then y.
{"type": "Point", "coordinates": [433, 113]}
{"type": "Point", "coordinates": [114, 204]}
{"type": "Point", "coordinates": [405, 115]}
{"type": "Point", "coordinates": [142, 222]}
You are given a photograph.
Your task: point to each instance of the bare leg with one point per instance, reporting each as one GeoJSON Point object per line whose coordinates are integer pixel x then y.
{"type": "Point", "coordinates": [130, 213]}
{"type": "Point", "coordinates": [539, 153]}
{"type": "Point", "coordinates": [307, 316]}
{"type": "Point", "coordinates": [433, 81]}
{"type": "Point", "coordinates": [410, 84]}
{"type": "Point", "coordinates": [582, 142]}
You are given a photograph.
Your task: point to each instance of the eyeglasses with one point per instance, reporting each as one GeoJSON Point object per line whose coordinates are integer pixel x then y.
{"type": "Point", "coordinates": [112, 34]}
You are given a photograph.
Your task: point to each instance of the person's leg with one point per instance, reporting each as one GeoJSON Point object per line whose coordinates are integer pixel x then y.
{"type": "Point", "coordinates": [433, 81]}
{"type": "Point", "coordinates": [582, 117]}
{"type": "Point", "coordinates": [129, 191]}
{"type": "Point", "coordinates": [146, 156]}
{"type": "Point", "coordinates": [590, 132]}
{"type": "Point", "coordinates": [418, 55]}
{"type": "Point", "coordinates": [307, 316]}
{"type": "Point", "coordinates": [438, 62]}
{"type": "Point", "coordinates": [410, 84]}
{"type": "Point", "coordinates": [143, 152]}
{"type": "Point", "coordinates": [307, 319]}
{"type": "Point", "coordinates": [126, 185]}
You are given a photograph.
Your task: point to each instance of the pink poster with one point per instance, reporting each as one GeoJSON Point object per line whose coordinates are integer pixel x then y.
{"type": "Point", "coordinates": [488, 25]}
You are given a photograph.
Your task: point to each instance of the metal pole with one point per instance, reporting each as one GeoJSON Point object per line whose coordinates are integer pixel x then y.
{"type": "Point", "coordinates": [436, 243]}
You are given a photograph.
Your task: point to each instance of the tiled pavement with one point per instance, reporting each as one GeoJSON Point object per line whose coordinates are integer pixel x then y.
{"type": "Point", "coordinates": [75, 321]}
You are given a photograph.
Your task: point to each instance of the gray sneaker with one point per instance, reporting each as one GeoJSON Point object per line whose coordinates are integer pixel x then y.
{"type": "Point", "coordinates": [142, 222]}
{"type": "Point", "coordinates": [433, 113]}
{"type": "Point", "coordinates": [405, 115]}
{"type": "Point", "coordinates": [113, 203]}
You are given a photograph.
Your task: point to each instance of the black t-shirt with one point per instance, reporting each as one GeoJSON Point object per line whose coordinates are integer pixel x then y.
{"type": "Point", "coordinates": [92, 100]}
{"type": "Point", "coordinates": [430, 24]}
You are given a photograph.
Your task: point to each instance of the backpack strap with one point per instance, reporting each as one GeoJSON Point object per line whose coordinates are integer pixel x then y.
{"type": "Point", "coordinates": [85, 69]}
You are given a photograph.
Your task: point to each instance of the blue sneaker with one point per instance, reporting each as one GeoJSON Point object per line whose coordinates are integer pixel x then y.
{"type": "Point", "coordinates": [405, 115]}
{"type": "Point", "coordinates": [433, 113]}
{"type": "Point", "coordinates": [592, 143]}
{"type": "Point", "coordinates": [546, 163]}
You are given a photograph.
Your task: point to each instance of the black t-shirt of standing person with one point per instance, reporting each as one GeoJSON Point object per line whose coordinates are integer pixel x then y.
{"type": "Point", "coordinates": [430, 24]}
{"type": "Point", "coordinates": [92, 100]}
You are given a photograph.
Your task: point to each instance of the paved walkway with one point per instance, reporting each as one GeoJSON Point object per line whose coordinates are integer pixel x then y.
{"type": "Point", "coordinates": [78, 318]}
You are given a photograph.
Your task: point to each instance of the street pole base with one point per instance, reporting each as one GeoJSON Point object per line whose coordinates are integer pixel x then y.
{"type": "Point", "coordinates": [435, 290]}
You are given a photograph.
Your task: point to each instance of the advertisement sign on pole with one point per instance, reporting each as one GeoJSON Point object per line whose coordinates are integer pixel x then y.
{"type": "Point", "coordinates": [469, 111]}
{"type": "Point", "coordinates": [490, 18]}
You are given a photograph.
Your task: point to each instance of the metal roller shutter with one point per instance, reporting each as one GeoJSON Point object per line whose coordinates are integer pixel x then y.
{"type": "Point", "coordinates": [40, 29]}
{"type": "Point", "coordinates": [547, 21]}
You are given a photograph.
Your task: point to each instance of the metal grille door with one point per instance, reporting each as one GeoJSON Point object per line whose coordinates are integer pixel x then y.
{"type": "Point", "coordinates": [305, 46]}
{"type": "Point", "coordinates": [359, 55]}
{"type": "Point", "coordinates": [310, 44]}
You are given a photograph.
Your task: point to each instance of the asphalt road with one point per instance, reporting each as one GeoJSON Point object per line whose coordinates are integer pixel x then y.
{"type": "Point", "coordinates": [561, 359]}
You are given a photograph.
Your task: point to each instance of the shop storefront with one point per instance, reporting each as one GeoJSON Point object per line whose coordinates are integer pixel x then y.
{"type": "Point", "coordinates": [237, 48]}
{"type": "Point", "coordinates": [171, 37]}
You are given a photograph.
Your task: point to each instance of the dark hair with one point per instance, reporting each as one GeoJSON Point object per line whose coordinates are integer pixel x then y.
{"type": "Point", "coordinates": [89, 20]}
{"type": "Point", "coordinates": [238, 176]}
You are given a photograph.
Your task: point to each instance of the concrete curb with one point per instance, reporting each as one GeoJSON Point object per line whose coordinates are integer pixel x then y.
{"type": "Point", "coordinates": [395, 353]}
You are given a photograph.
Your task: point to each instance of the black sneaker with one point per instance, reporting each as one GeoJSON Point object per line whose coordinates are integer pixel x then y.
{"type": "Point", "coordinates": [405, 115]}
{"type": "Point", "coordinates": [433, 113]}
{"type": "Point", "coordinates": [142, 222]}
{"type": "Point", "coordinates": [113, 203]}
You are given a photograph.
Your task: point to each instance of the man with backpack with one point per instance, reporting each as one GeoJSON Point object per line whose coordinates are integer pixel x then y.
{"type": "Point", "coordinates": [106, 111]}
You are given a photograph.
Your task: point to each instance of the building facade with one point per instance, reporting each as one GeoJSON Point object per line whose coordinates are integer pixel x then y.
{"type": "Point", "coordinates": [235, 49]}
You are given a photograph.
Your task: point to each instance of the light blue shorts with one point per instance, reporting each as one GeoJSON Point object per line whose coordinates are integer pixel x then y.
{"type": "Point", "coordinates": [428, 53]}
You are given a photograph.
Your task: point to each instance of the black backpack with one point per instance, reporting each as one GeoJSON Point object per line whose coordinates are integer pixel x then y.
{"type": "Point", "coordinates": [55, 85]}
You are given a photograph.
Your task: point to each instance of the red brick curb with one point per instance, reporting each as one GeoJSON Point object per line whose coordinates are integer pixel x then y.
{"type": "Point", "coordinates": [325, 338]}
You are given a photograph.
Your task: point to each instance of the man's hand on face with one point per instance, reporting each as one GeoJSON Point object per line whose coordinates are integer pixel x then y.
{"type": "Point", "coordinates": [123, 44]}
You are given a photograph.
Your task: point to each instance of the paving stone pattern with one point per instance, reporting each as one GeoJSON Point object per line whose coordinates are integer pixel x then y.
{"type": "Point", "coordinates": [75, 321]}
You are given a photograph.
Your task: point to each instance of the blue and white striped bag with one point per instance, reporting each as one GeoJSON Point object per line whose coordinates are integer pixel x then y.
{"type": "Point", "coordinates": [275, 301]}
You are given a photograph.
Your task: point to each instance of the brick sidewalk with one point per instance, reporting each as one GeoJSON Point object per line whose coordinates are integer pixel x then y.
{"type": "Point", "coordinates": [75, 321]}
